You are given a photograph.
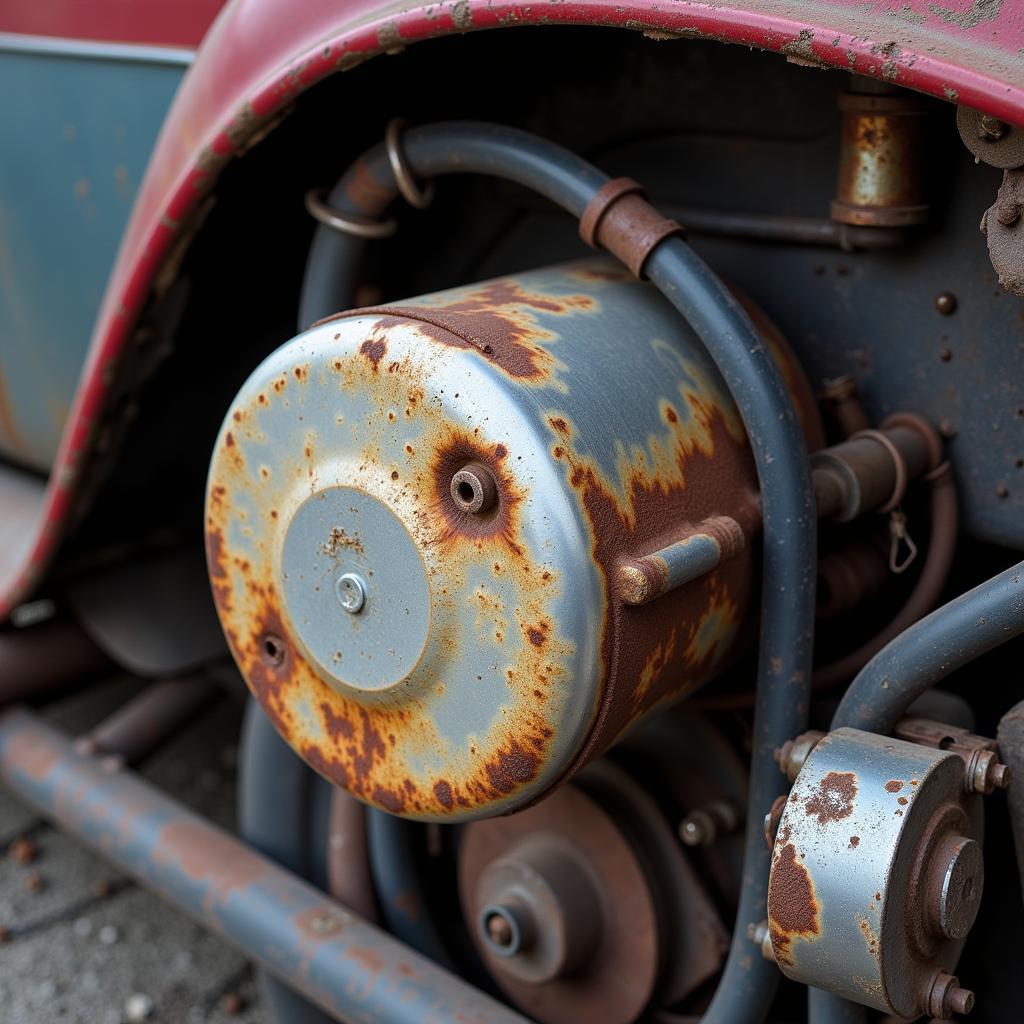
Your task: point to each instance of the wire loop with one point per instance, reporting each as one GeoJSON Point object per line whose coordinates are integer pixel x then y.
{"type": "Point", "coordinates": [412, 193]}
{"type": "Point", "coordinates": [361, 227]}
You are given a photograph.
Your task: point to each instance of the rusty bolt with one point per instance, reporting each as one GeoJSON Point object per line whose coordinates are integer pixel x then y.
{"type": "Point", "coordinates": [232, 1003]}
{"type": "Point", "coordinates": [772, 819]}
{"type": "Point", "coordinates": [473, 488]}
{"type": "Point", "coordinates": [23, 850]}
{"type": "Point", "coordinates": [351, 591]}
{"type": "Point", "coordinates": [984, 773]}
{"type": "Point", "coordinates": [504, 929]}
{"type": "Point", "coordinates": [760, 934]}
{"type": "Point", "coordinates": [702, 826]}
{"type": "Point", "coordinates": [791, 755]}
{"type": "Point", "coordinates": [991, 129]}
{"type": "Point", "coordinates": [944, 997]}
{"type": "Point", "coordinates": [499, 930]}
{"type": "Point", "coordinates": [1002, 491]}
{"type": "Point", "coordinates": [945, 303]}
{"type": "Point", "coordinates": [273, 648]}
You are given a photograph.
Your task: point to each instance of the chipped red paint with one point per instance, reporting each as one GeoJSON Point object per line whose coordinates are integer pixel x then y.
{"type": "Point", "coordinates": [154, 23]}
{"type": "Point", "coordinates": [265, 53]}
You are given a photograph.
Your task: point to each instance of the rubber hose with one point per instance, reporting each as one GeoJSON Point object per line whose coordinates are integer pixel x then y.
{"type": "Point", "coordinates": [940, 643]}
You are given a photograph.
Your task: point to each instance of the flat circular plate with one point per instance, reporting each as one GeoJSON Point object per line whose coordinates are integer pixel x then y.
{"type": "Point", "coordinates": [355, 589]}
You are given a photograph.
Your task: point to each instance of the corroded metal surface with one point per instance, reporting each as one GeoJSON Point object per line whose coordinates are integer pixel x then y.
{"type": "Point", "coordinates": [881, 161]}
{"type": "Point", "coordinates": [349, 968]}
{"type": "Point", "coordinates": [860, 900]}
{"type": "Point", "coordinates": [494, 654]}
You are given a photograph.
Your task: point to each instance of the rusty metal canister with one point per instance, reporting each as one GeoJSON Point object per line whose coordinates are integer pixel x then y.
{"type": "Point", "coordinates": [881, 159]}
{"type": "Point", "coordinates": [416, 516]}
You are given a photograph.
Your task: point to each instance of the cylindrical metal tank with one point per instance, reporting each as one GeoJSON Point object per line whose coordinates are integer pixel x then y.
{"type": "Point", "coordinates": [417, 518]}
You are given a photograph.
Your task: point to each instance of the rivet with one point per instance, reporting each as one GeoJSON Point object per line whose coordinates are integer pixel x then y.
{"type": "Point", "coordinates": [351, 591]}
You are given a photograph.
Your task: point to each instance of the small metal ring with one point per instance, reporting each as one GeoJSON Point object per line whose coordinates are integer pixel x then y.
{"type": "Point", "coordinates": [412, 193]}
{"type": "Point", "coordinates": [362, 227]}
{"type": "Point", "coordinates": [943, 469]}
{"type": "Point", "coordinates": [900, 486]}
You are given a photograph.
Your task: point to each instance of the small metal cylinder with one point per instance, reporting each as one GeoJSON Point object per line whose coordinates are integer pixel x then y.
{"type": "Point", "coordinates": [876, 871]}
{"type": "Point", "coordinates": [880, 161]}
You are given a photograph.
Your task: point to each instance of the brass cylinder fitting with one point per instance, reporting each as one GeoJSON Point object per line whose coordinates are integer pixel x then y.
{"type": "Point", "coordinates": [880, 161]}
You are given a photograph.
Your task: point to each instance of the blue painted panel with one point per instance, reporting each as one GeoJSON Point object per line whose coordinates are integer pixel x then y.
{"type": "Point", "coordinates": [76, 136]}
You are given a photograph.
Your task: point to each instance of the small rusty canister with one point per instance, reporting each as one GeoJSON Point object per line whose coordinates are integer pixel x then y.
{"type": "Point", "coordinates": [417, 518]}
{"type": "Point", "coordinates": [877, 874]}
{"type": "Point", "coordinates": [881, 158]}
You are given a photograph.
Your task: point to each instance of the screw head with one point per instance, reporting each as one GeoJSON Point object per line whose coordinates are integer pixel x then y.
{"type": "Point", "coordinates": [502, 930]}
{"type": "Point", "coordinates": [351, 591]}
{"type": "Point", "coordinates": [945, 303]}
{"type": "Point", "coordinates": [991, 128]}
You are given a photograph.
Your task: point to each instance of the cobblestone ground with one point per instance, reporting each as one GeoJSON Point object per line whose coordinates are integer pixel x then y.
{"type": "Point", "coordinates": [84, 944]}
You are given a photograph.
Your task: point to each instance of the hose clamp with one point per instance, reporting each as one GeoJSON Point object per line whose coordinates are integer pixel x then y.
{"type": "Point", "coordinates": [348, 224]}
{"type": "Point", "coordinates": [415, 195]}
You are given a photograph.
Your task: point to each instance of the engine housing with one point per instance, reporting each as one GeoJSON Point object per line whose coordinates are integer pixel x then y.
{"type": "Point", "coordinates": [415, 518]}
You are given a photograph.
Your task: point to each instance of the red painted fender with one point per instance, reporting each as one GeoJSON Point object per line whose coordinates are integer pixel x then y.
{"type": "Point", "coordinates": [260, 55]}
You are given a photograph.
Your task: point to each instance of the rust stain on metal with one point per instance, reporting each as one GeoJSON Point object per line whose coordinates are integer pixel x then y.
{"type": "Point", "coordinates": [793, 908]}
{"type": "Point", "coordinates": [374, 349]}
{"type": "Point", "coordinates": [339, 540]}
{"type": "Point", "coordinates": [834, 798]}
{"type": "Point", "coordinates": [203, 854]}
{"type": "Point", "coordinates": [497, 320]}
{"type": "Point", "coordinates": [854, 842]}
{"type": "Point", "coordinates": [32, 757]}
{"type": "Point", "coordinates": [893, 786]}
{"type": "Point", "coordinates": [870, 937]}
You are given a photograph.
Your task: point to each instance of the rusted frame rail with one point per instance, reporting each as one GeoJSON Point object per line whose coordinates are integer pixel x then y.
{"type": "Point", "coordinates": [352, 970]}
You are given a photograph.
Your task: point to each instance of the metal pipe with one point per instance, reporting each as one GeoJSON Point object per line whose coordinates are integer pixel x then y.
{"type": "Point", "coordinates": [766, 227]}
{"type": "Point", "coordinates": [825, 1008]}
{"type": "Point", "coordinates": [714, 541]}
{"type": "Point", "coordinates": [938, 561]}
{"type": "Point", "coordinates": [953, 635]}
{"type": "Point", "coordinates": [1011, 751]}
{"type": "Point", "coordinates": [749, 370]}
{"type": "Point", "coordinates": [351, 969]}
{"type": "Point", "coordinates": [137, 728]}
{"type": "Point", "coordinates": [38, 660]}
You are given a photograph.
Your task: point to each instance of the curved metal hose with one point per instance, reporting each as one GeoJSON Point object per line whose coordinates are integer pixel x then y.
{"type": "Point", "coordinates": [953, 635]}
{"type": "Point", "coordinates": [789, 516]}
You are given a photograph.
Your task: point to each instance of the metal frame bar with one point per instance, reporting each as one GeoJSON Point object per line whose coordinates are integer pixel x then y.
{"type": "Point", "coordinates": [352, 970]}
